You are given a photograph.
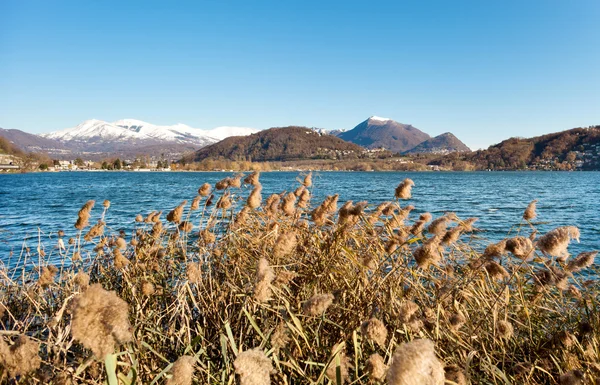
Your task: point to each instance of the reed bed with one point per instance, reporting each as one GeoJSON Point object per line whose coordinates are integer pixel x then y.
{"type": "Point", "coordinates": [232, 287]}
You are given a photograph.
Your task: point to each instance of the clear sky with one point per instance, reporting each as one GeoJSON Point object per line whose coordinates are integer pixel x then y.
{"type": "Point", "coordinates": [482, 69]}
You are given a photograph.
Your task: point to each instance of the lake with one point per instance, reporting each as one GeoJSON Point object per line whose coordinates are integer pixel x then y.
{"type": "Point", "coordinates": [50, 201]}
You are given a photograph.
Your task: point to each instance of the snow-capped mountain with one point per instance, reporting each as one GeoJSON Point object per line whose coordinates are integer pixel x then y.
{"type": "Point", "coordinates": [137, 130]}
{"type": "Point", "coordinates": [131, 135]}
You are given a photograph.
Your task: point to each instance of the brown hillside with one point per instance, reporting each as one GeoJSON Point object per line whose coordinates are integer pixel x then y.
{"type": "Point", "coordinates": [575, 148]}
{"type": "Point", "coordinates": [280, 144]}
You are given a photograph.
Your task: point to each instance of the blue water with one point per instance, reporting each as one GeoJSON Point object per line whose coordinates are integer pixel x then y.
{"type": "Point", "coordinates": [43, 203]}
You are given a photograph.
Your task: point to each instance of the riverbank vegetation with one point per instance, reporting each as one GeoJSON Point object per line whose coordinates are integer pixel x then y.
{"type": "Point", "coordinates": [230, 286]}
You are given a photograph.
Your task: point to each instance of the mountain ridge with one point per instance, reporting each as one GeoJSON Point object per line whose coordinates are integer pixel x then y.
{"type": "Point", "coordinates": [442, 144]}
{"type": "Point", "coordinates": [95, 139]}
{"type": "Point", "coordinates": [378, 132]}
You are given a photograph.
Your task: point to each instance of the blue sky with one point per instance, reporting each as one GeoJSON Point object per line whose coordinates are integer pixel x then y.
{"type": "Point", "coordinates": [484, 70]}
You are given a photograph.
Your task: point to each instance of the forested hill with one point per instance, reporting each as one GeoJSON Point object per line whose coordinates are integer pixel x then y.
{"type": "Point", "coordinates": [578, 148]}
{"type": "Point", "coordinates": [280, 144]}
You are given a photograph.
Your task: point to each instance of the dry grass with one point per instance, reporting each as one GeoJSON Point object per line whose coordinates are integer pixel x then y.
{"type": "Point", "coordinates": [283, 294]}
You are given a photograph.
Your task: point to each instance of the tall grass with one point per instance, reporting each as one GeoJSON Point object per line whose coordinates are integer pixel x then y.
{"type": "Point", "coordinates": [240, 288]}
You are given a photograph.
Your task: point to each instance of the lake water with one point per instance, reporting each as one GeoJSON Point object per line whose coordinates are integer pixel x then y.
{"type": "Point", "coordinates": [50, 201]}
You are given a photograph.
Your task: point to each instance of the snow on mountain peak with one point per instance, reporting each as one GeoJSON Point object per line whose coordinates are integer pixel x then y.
{"type": "Point", "coordinates": [379, 118]}
{"type": "Point", "coordinates": [140, 131]}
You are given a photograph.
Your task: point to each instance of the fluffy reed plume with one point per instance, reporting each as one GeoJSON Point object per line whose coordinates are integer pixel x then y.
{"type": "Point", "coordinates": [307, 182]}
{"type": "Point", "coordinates": [555, 242]}
{"type": "Point", "coordinates": [106, 204]}
{"type": "Point", "coordinates": [288, 204]}
{"type": "Point", "coordinates": [390, 209]}
{"type": "Point", "coordinates": [495, 270]}
{"type": "Point", "coordinates": [182, 371]}
{"type": "Point", "coordinates": [119, 260]}
{"type": "Point", "coordinates": [298, 190]}
{"type": "Point", "coordinates": [467, 224]}
{"type": "Point", "coordinates": [415, 363]}
{"type": "Point", "coordinates": [573, 377]}
{"type": "Point", "coordinates": [304, 199]}
{"type": "Point", "coordinates": [272, 204]}
{"type": "Point", "coordinates": [504, 329]}
{"type": "Point", "coordinates": [223, 183]}
{"type": "Point", "coordinates": [95, 231]}
{"type": "Point", "coordinates": [82, 279]}
{"type": "Point", "coordinates": [418, 226]}
{"type": "Point", "coordinates": [47, 276]}
{"type": "Point", "coordinates": [139, 218]}
{"type": "Point", "coordinates": [84, 215]}
{"type": "Point", "coordinates": [374, 330]}
{"type": "Point", "coordinates": [236, 181]}
{"type": "Point", "coordinates": [284, 277]}
{"type": "Point", "coordinates": [403, 191]}
{"type": "Point", "coordinates": [21, 358]}
{"type": "Point", "coordinates": [204, 190]}
{"type": "Point", "coordinates": [121, 243]}
{"type": "Point", "coordinates": [323, 211]}
{"type": "Point", "coordinates": [285, 244]}
{"type": "Point", "coordinates": [428, 253]}
{"type": "Point", "coordinates": [207, 237]}
{"type": "Point", "coordinates": [148, 288]}
{"type": "Point", "coordinates": [264, 278]}
{"type": "Point", "coordinates": [157, 230]}
{"type": "Point", "coordinates": [396, 240]}
{"type": "Point", "coordinates": [224, 201]}
{"type": "Point", "coordinates": [520, 247]}
{"type": "Point", "coordinates": [280, 337]}
{"type": "Point", "coordinates": [255, 197]}
{"type": "Point", "coordinates": [376, 367]}
{"type": "Point", "coordinates": [252, 179]}
{"type": "Point", "coordinates": [195, 203]}
{"type": "Point", "coordinates": [242, 216]}
{"type": "Point", "coordinates": [552, 277]}
{"type": "Point", "coordinates": [530, 213]}
{"type": "Point", "coordinates": [349, 214]}
{"type": "Point", "coordinates": [254, 367]}
{"type": "Point", "coordinates": [565, 338]}
{"type": "Point", "coordinates": [495, 249]}
{"type": "Point", "coordinates": [455, 374]}
{"type": "Point", "coordinates": [100, 321]}
{"type": "Point", "coordinates": [438, 226]}
{"type": "Point", "coordinates": [582, 261]}
{"type": "Point", "coordinates": [407, 315]}
{"type": "Point", "coordinates": [185, 226]}
{"type": "Point", "coordinates": [376, 213]}
{"type": "Point", "coordinates": [457, 320]}
{"type": "Point", "coordinates": [451, 236]}
{"type": "Point", "coordinates": [174, 216]}
{"type": "Point", "coordinates": [194, 272]}
{"type": "Point", "coordinates": [317, 304]}
{"type": "Point", "coordinates": [339, 365]}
